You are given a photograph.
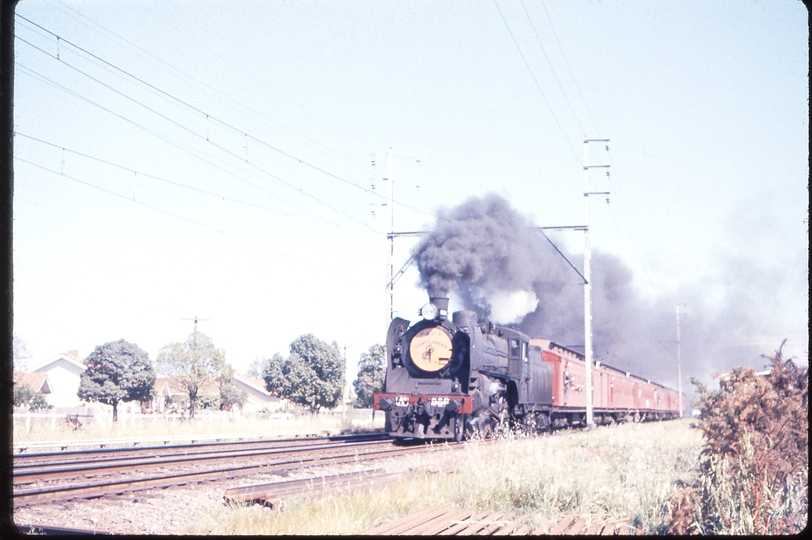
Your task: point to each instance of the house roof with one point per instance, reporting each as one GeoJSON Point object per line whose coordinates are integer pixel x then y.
{"type": "Point", "coordinates": [256, 384]}
{"type": "Point", "coordinates": [70, 360]}
{"type": "Point", "coordinates": [36, 381]}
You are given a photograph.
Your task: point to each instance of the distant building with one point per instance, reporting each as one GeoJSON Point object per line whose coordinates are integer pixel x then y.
{"type": "Point", "coordinates": [38, 382]}
{"type": "Point", "coordinates": [62, 373]}
{"type": "Point", "coordinates": [58, 380]}
{"type": "Point", "coordinates": [258, 398]}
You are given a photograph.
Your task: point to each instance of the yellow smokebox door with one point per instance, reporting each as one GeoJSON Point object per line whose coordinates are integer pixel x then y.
{"type": "Point", "coordinates": [431, 349]}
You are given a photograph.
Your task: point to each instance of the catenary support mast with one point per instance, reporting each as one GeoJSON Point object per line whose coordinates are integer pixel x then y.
{"type": "Point", "coordinates": [390, 222]}
{"type": "Point", "coordinates": [588, 280]}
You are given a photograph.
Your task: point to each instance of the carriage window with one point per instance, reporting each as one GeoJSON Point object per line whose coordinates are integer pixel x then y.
{"type": "Point", "coordinates": [524, 351]}
{"type": "Point", "coordinates": [514, 347]}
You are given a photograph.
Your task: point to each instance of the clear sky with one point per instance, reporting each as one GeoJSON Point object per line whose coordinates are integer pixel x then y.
{"type": "Point", "coordinates": [212, 158]}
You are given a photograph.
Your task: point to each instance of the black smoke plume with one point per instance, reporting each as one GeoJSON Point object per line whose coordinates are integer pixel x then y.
{"type": "Point", "coordinates": [490, 258]}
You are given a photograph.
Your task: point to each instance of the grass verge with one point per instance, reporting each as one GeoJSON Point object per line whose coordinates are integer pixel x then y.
{"type": "Point", "coordinates": [626, 471]}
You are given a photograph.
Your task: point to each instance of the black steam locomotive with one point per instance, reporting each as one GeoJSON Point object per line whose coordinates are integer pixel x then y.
{"type": "Point", "coordinates": [450, 378]}
{"type": "Point", "coordinates": [446, 378]}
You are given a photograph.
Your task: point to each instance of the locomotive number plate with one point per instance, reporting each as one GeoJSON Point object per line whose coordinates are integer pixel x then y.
{"type": "Point", "coordinates": [402, 401]}
{"type": "Point", "coordinates": [438, 401]}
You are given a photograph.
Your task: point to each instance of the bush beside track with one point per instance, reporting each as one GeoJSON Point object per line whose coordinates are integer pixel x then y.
{"type": "Point", "coordinates": [754, 472]}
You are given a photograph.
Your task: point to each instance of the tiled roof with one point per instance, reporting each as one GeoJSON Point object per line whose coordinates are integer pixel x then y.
{"type": "Point", "coordinates": [69, 358]}
{"type": "Point", "coordinates": [37, 381]}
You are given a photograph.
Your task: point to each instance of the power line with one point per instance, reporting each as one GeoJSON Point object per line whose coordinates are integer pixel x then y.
{"type": "Point", "coordinates": [552, 27]}
{"type": "Point", "coordinates": [201, 112]}
{"type": "Point", "coordinates": [222, 148]}
{"type": "Point", "coordinates": [538, 86]}
{"type": "Point", "coordinates": [199, 83]}
{"type": "Point", "coordinates": [174, 143]}
{"type": "Point", "coordinates": [551, 67]}
{"type": "Point", "coordinates": [166, 180]}
{"type": "Point", "coordinates": [176, 216]}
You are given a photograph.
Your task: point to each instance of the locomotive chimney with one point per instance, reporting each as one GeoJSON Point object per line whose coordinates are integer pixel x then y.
{"type": "Point", "coordinates": [442, 305]}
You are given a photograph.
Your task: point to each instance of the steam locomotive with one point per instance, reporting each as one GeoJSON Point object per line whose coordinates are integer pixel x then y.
{"type": "Point", "coordinates": [448, 379]}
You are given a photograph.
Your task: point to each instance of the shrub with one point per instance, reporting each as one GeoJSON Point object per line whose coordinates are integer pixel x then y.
{"type": "Point", "coordinates": [38, 402]}
{"type": "Point", "coordinates": [22, 394]}
{"type": "Point", "coordinates": [753, 476]}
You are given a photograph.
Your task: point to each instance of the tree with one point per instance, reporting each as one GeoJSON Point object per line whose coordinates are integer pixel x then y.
{"type": "Point", "coordinates": [230, 395]}
{"type": "Point", "coordinates": [117, 371]}
{"type": "Point", "coordinates": [255, 368]}
{"type": "Point", "coordinates": [38, 402]}
{"type": "Point", "coordinates": [192, 364]}
{"type": "Point", "coordinates": [313, 374]}
{"type": "Point", "coordinates": [20, 352]}
{"type": "Point", "coordinates": [371, 375]}
{"type": "Point", "coordinates": [22, 394]}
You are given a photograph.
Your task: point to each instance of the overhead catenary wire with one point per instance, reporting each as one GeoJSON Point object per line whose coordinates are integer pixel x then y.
{"type": "Point", "coordinates": [208, 116]}
{"type": "Point", "coordinates": [564, 56]}
{"type": "Point", "coordinates": [161, 137]}
{"type": "Point", "coordinates": [171, 214]}
{"type": "Point", "coordinates": [142, 52]}
{"type": "Point", "coordinates": [552, 69]}
{"type": "Point", "coordinates": [172, 182]}
{"type": "Point", "coordinates": [192, 132]}
{"type": "Point", "coordinates": [538, 86]}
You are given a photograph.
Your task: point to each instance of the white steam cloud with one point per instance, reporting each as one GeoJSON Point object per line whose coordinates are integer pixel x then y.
{"type": "Point", "coordinates": [508, 307]}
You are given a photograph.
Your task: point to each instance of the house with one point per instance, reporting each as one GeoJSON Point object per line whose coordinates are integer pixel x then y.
{"type": "Point", "coordinates": [258, 398]}
{"type": "Point", "coordinates": [38, 382]}
{"type": "Point", "coordinates": [62, 372]}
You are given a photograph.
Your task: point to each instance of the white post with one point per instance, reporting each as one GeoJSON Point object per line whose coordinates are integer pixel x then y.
{"type": "Point", "coordinates": [587, 291]}
{"type": "Point", "coordinates": [390, 206]}
{"type": "Point", "coordinates": [588, 280]}
{"type": "Point", "coordinates": [679, 366]}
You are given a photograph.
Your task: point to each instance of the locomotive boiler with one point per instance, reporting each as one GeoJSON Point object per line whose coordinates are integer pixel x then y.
{"type": "Point", "coordinates": [449, 378]}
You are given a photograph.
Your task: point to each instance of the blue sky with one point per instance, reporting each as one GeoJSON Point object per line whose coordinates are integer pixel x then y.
{"type": "Point", "coordinates": [212, 158]}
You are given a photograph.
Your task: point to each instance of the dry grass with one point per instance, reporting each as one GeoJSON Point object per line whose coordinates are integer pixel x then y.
{"type": "Point", "coordinates": [626, 471]}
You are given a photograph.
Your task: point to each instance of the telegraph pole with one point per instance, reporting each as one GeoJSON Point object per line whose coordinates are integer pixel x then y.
{"type": "Point", "coordinates": [390, 206]}
{"type": "Point", "coordinates": [195, 319]}
{"type": "Point", "coordinates": [679, 364]}
{"type": "Point", "coordinates": [588, 279]}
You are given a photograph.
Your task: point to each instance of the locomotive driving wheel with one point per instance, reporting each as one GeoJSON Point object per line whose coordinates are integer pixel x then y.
{"type": "Point", "coordinates": [459, 427]}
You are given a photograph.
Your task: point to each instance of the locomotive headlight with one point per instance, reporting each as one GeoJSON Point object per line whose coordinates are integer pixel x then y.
{"type": "Point", "coordinates": [429, 312]}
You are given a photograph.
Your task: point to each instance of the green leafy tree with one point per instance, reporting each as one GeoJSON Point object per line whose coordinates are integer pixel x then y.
{"type": "Point", "coordinates": [230, 395]}
{"type": "Point", "coordinates": [273, 371]}
{"type": "Point", "coordinates": [117, 371]}
{"type": "Point", "coordinates": [22, 394]}
{"type": "Point", "coordinates": [371, 375]}
{"type": "Point", "coordinates": [38, 402]}
{"type": "Point", "coordinates": [313, 374]}
{"type": "Point", "coordinates": [192, 364]}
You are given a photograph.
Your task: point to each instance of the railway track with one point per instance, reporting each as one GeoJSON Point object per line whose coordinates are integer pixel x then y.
{"type": "Point", "coordinates": [89, 474]}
